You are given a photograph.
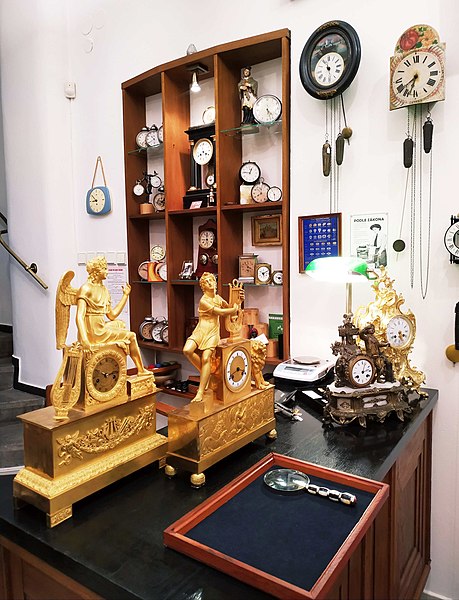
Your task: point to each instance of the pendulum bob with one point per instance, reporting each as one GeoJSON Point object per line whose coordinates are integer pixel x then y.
{"type": "Point", "coordinates": [347, 133]}
{"type": "Point", "coordinates": [427, 134]}
{"type": "Point", "coordinates": [398, 245]}
{"type": "Point", "coordinates": [326, 159]}
{"type": "Point", "coordinates": [408, 146]}
{"type": "Point", "coordinates": [339, 149]}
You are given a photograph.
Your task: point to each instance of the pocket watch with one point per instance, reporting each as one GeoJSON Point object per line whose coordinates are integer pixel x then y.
{"type": "Point", "coordinates": [152, 137]}
{"type": "Point", "coordinates": [259, 191]}
{"type": "Point", "coordinates": [138, 189]}
{"type": "Point", "coordinates": [157, 252]}
{"type": "Point", "coordinates": [267, 109]}
{"type": "Point", "coordinates": [155, 180]}
{"type": "Point", "coordinates": [330, 60]}
{"type": "Point", "coordinates": [142, 270]}
{"type": "Point", "coordinates": [249, 172]}
{"type": "Point", "coordinates": [237, 369]}
{"type": "Point", "coordinates": [452, 239]}
{"type": "Point", "coordinates": [145, 329]}
{"type": "Point", "coordinates": [274, 194]}
{"type": "Point", "coordinates": [159, 202]}
{"type": "Point", "coordinates": [262, 273]}
{"type": "Point", "coordinates": [141, 138]}
{"type": "Point", "coordinates": [277, 277]}
{"type": "Point", "coordinates": [208, 116]}
{"type": "Point", "coordinates": [203, 151]}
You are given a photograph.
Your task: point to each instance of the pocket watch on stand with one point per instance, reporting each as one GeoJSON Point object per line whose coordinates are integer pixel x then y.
{"type": "Point", "coordinates": [417, 80]}
{"type": "Point", "coordinates": [328, 64]}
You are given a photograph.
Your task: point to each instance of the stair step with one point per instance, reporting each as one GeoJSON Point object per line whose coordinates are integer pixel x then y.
{"type": "Point", "coordinates": [11, 445]}
{"type": "Point", "coordinates": [6, 373]}
{"type": "Point", "coordinates": [14, 402]}
{"type": "Point", "coordinates": [6, 344]}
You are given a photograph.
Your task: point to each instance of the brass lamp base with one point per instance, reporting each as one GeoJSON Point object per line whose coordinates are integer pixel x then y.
{"type": "Point", "coordinates": [66, 461]}
{"type": "Point", "coordinates": [376, 402]}
{"type": "Point", "coordinates": [201, 434]}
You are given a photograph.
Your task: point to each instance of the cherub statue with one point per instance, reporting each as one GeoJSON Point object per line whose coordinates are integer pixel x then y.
{"type": "Point", "coordinates": [206, 335]}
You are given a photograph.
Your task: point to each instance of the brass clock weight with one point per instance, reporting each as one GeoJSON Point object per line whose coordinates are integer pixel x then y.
{"type": "Point", "coordinates": [373, 373]}
{"type": "Point", "coordinates": [328, 64]}
{"type": "Point", "coordinates": [417, 82]}
{"type": "Point", "coordinates": [102, 423]}
{"type": "Point", "coordinates": [233, 404]}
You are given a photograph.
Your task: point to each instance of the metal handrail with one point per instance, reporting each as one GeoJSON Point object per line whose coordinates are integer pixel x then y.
{"type": "Point", "coordinates": [32, 268]}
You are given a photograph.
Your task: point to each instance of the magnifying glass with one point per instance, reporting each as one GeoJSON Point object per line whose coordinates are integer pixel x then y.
{"type": "Point", "coordinates": [291, 480]}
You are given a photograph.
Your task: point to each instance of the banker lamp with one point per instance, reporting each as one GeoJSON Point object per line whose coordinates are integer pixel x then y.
{"type": "Point", "coordinates": [340, 269]}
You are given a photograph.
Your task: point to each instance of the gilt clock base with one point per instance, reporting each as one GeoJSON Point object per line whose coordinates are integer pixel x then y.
{"type": "Point", "coordinates": [66, 461]}
{"type": "Point", "coordinates": [201, 434]}
{"type": "Point", "coordinates": [375, 402]}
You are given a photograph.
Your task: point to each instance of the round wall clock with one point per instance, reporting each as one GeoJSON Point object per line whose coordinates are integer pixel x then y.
{"type": "Point", "coordinates": [330, 60]}
{"type": "Point", "coordinates": [452, 239]}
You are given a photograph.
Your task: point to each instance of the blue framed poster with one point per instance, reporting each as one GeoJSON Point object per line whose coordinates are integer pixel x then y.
{"type": "Point", "coordinates": [318, 236]}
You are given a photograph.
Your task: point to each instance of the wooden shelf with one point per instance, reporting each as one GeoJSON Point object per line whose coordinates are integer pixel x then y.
{"type": "Point", "coordinates": [167, 86]}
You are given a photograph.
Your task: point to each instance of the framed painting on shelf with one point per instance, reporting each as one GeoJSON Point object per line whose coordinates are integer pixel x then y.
{"type": "Point", "coordinates": [318, 236]}
{"type": "Point", "coordinates": [267, 230]}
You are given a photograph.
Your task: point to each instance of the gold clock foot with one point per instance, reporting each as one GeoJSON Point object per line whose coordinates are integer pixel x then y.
{"type": "Point", "coordinates": [59, 516]}
{"type": "Point", "coordinates": [272, 435]}
{"type": "Point", "coordinates": [198, 480]}
{"type": "Point", "coordinates": [170, 471]}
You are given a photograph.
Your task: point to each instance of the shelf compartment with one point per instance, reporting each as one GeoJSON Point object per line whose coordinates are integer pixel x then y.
{"type": "Point", "coordinates": [152, 345]}
{"type": "Point", "coordinates": [150, 217]}
{"type": "Point", "coordinates": [151, 150]}
{"type": "Point", "coordinates": [196, 212]}
{"type": "Point", "coordinates": [273, 127]}
{"type": "Point", "coordinates": [264, 207]}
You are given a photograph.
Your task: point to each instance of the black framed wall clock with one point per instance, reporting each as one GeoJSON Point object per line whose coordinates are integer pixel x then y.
{"type": "Point", "coordinates": [330, 60]}
{"type": "Point", "coordinates": [451, 240]}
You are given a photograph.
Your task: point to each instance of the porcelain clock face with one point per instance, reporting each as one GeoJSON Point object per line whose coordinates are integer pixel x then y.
{"type": "Point", "coordinates": [206, 239]}
{"type": "Point", "coordinates": [329, 69]}
{"type": "Point", "coordinates": [97, 200]}
{"type": "Point", "coordinates": [267, 109]}
{"type": "Point", "coordinates": [361, 371]}
{"type": "Point", "coordinates": [399, 332]}
{"type": "Point", "coordinates": [249, 172]}
{"type": "Point", "coordinates": [417, 77]}
{"type": "Point", "coordinates": [203, 151]}
{"type": "Point", "coordinates": [262, 273]}
{"type": "Point", "coordinates": [452, 239]}
{"type": "Point", "coordinates": [237, 369]}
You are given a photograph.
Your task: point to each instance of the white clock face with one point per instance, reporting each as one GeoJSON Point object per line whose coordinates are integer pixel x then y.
{"type": "Point", "coordinates": [277, 277]}
{"type": "Point", "coordinates": [203, 151]}
{"type": "Point", "coordinates": [263, 274]}
{"type": "Point", "coordinates": [274, 194]}
{"type": "Point", "coordinates": [97, 200]}
{"type": "Point", "coordinates": [417, 77]}
{"type": "Point", "coordinates": [208, 116]}
{"type": "Point", "coordinates": [141, 139]}
{"type": "Point", "coordinates": [206, 239]}
{"type": "Point", "coordinates": [152, 139]}
{"type": "Point", "coordinates": [250, 172]}
{"type": "Point", "coordinates": [138, 189]}
{"type": "Point", "coordinates": [399, 332]}
{"type": "Point", "coordinates": [162, 271]}
{"type": "Point", "coordinates": [362, 372]}
{"type": "Point", "coordinates": [157, 252]}
{"type": "Point", "coordinates": [267, 109]}
{"type": "Point", "coordinates": [155, 180]}
{"type": "Point", "coordinates": [237, 369]}
{"type": "Point", "coordinates": [156, 332]}
{"type": "Point", "coordinates": [161, 134]}
{"type": "Point", "coordinates": [259, 192]}
{"type": "Point", "coordinates": [329, 69]}
{"type": "Point", "coordinates": [452, 239]}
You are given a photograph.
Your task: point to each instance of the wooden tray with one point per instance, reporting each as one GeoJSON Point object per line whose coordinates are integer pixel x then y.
{"type": "Point", "coordinates": [270, 540]}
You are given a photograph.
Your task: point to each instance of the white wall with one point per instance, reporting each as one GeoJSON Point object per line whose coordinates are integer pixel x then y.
{"type": "Point", "coordinates": [42, 46]}
{"type": "Point", "coordinates": [6, 309]}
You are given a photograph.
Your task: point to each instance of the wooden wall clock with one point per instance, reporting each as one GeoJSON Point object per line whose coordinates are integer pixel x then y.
{"type": "Point", "coordinates": [207, 248]}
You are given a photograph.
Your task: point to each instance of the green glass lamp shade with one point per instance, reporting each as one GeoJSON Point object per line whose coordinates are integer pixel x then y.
{"type": "Point", "coordinates": [341, 269]}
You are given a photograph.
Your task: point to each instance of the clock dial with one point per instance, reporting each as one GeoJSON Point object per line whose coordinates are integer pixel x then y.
{"type": "Point", "coordinates": [452, 239]}
{"type": "Point", "coordinates": [206, 239]}
{"type": "Point", "coordinates": [267, 109]}
{"type": "Point", "coordinates": [361, 371]}
{"type": "Point", "coordinates": [399, 332]}
{"type": "Point", "coordinates": [105, 374]}
{"type": "Point", "coordinates": [161, 134]}
{"type": "Point", "coordinates": [247, 266]}
{"type": "Point", "coordinates": [157, 252]}
{"type": "Point", "coordinates": [203, 151]}
{"type": "Point", "coordinates": [145, 329]}
{"type": "Point", "coordinates": [329, 69]}
{"type": "Point", "coordinates": [161, 270]}
{"type": "Point", "coordinates": [274, 194]}
{"type": "Point", "coordinates": [152, 138]}
{"type": "Point", "coordinates": [143, 270]}
{"type": "Point", "coordinates": [97, 200]}
{"type": "Point", "coordinates": [259, 192]}
{"type": "Point", "coordinates": [156, 180]}
{"type": "Point", "coordinates": [156, 332]}
{"type": "Point", "coordinates": [138, 189]}
{"type": "Point", "coordinates": [277, 277]}
{"type": "Point", "coordinates": [210, 180]}
{"type": "Point", "coordinates": [250, 172]}
{"type": "Point", "coordinates": [208, 116]}
{"type": "Point", "coordinates": [263, 273]}
{"type": "Point", "coordinates": [416, 77]}
{"type": "Point", "coordinates": [165, 334]}
{"type": "Point", "coordinates": [159, 201]}
{"type": "Point", "coordinates": [141, 138]}
{"type": "Point", "coordinates": [237, 369]}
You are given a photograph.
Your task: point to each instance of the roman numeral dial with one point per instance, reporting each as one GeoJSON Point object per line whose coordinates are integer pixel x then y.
{"type": "Point", "coordinates": [417, 77]}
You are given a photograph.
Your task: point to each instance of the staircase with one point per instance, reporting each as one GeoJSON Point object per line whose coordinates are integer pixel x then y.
{"type": "Point", "coordinates": [12, 403]}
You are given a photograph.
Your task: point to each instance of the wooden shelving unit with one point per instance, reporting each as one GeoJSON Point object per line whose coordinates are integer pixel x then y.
{"type": "Point", "coordinates": [168, 85]}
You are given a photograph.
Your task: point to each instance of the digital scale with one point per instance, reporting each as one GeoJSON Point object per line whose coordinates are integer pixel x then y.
{"type": "Point", "coordinates": [303, 369]}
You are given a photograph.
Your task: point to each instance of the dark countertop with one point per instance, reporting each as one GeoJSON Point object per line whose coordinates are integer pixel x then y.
{"type": "Point", "coordinates": [113, 544]}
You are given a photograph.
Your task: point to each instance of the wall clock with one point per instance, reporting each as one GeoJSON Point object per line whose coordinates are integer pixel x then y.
{"type": "Point", "coordinates": [207, 248]}
{"type": "Point", "coordinates": [98, 201]}
{"type": "Point", "coordinates": [417, 81]}
{"type": "Point", "coordinates": [452, 240]}
{"type": "Point", "coordinates": [328, 64]}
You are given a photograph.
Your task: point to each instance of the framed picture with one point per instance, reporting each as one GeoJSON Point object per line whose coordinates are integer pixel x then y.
{"type": "Point", "coordinates": [187, 270]}
{"type": "Point", "coordinates": [318, 236]}
{"type": "Point", "coordinates": [267, 230]}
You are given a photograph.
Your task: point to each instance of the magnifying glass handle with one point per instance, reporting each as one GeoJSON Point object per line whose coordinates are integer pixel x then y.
{"type": "Point", "coordinates": [333, 495]}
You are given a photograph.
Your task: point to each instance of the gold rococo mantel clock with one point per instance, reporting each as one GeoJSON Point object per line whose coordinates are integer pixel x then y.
{"type": "Point", "coordinates": [393, 327]}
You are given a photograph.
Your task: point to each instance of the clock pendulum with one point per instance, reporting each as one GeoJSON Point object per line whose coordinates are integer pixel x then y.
{"type": "Point", "coordinates": [328, 65]}
{"type": "Point", "coordinates": [417, 78]}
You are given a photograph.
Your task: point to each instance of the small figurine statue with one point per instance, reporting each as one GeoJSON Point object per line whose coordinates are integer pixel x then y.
{"type": "Point", "coordinates": [373, 348]}
{"type": "Point", "coordinates": [248, 90]}
{"type": "Point", "coordinates": [206, 335]}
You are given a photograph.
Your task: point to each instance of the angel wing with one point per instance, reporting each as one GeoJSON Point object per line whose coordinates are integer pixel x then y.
{"type": "Point", "coordinates": [65, 298]}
